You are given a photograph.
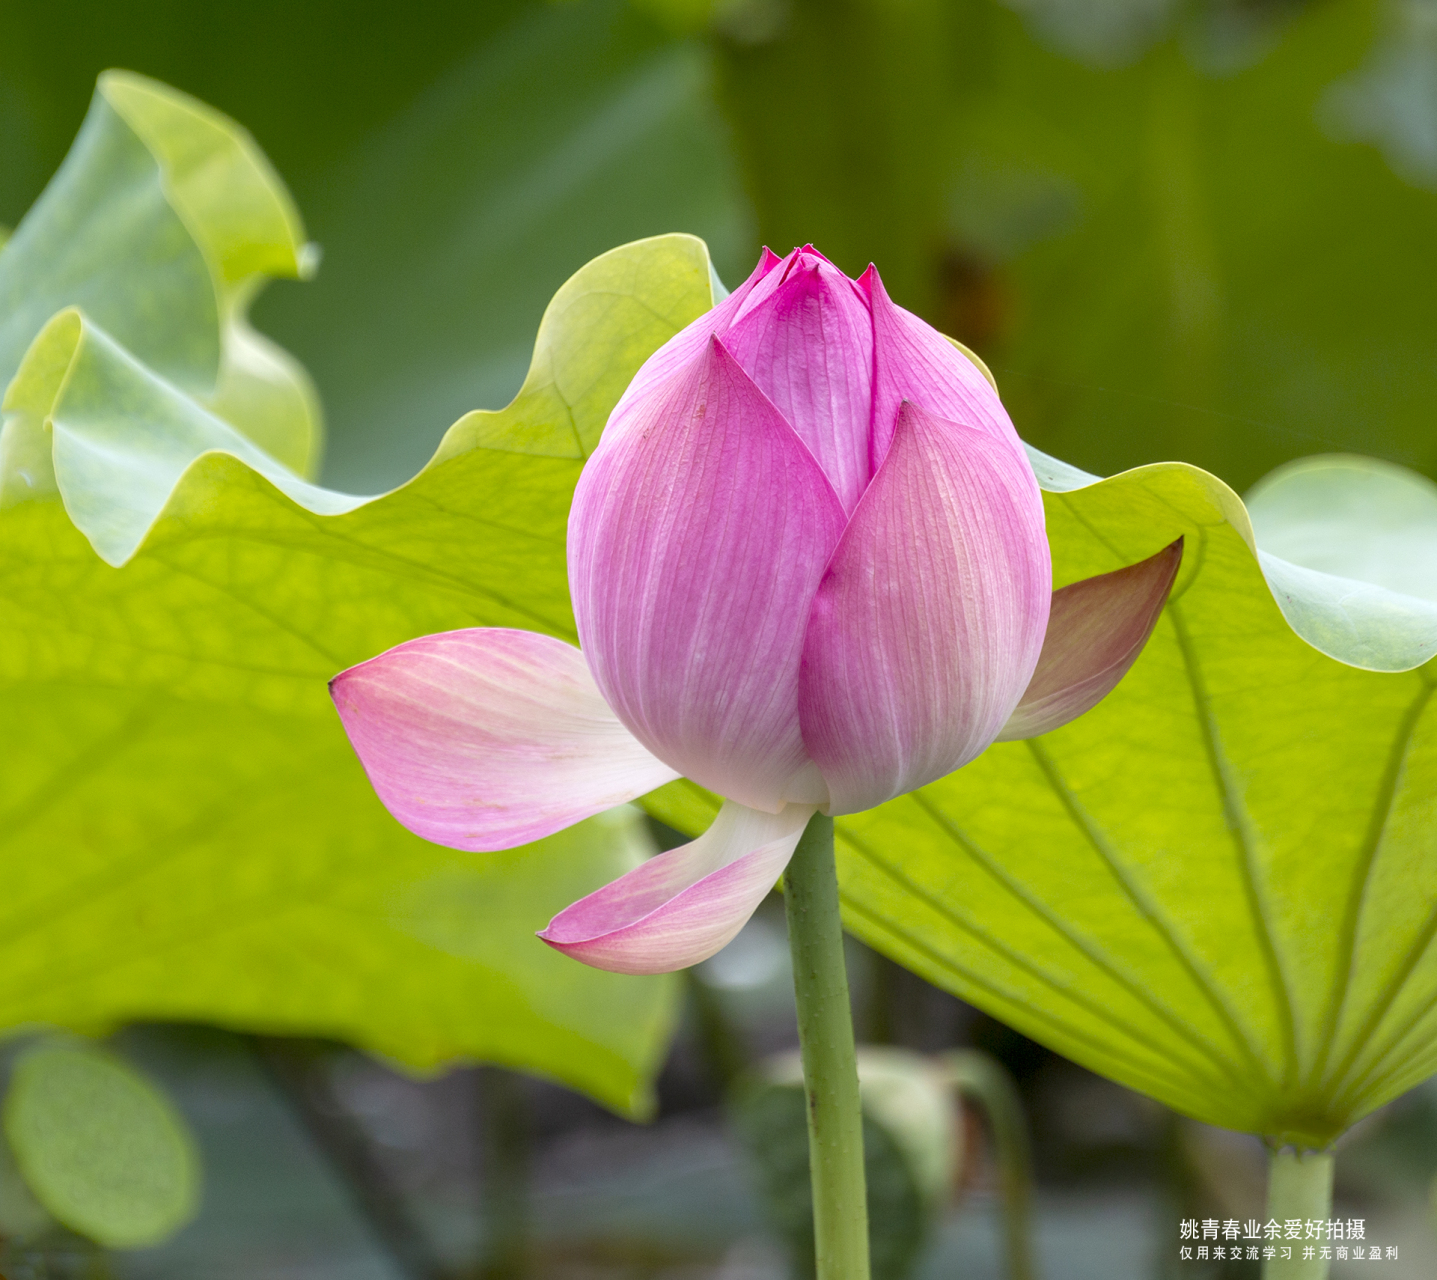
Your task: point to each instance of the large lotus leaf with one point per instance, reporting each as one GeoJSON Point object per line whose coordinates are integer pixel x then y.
{"type": "Point", "coordinates": [187, 832]}
{"type": "Point", "coordinates": [1217, 887]}
{"type": "Point", "coordinates": [161, 225]}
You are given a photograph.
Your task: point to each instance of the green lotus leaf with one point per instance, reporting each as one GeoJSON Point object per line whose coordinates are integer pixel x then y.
{"type": "Point", "coordinates": [241, 216]}
{"type": "Point", "coordinates": [175, 601]}
{"type": "Point", "coordinates": [102, 1149]}
{"type": "Point", "coordinates": [1217, 886]}
{"type": "Point", "coordinates": [161, 226]}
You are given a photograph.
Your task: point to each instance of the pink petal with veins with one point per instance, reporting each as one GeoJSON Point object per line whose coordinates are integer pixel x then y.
{"type": "Point", "coordinates": [489, 738]}
{"type": "Point", "coordinates": [913, 361]}
{"type": "Point", "coordinates": [1096, 629]}
{"type": "Point", "coordinates": [684, 905]}
{"type": "Point", "coordinates": [810, 350]}
{"type": "Point", "coordinates": [930, 619]}
{"type": "Point", "coordinates": [680, 351]}
{"type": "Point", "coordinates": [696, 541]}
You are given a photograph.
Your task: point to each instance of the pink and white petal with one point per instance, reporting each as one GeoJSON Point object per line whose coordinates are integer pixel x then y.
{"type": "Point", "coordinates": [489, 738]}
{"type": "Point", "coordinates": [810, 350]}
{"type": "Point", "coordinates": [1096, 629]}
{"type": "Point", "coordinates": [682, 906]}
{"type": "Point", "coordinates": [696, 543]}
{"type": "Point", "coordinates": [913, 361]}
{"type": "Point", "coordinates": [688, 344]}
{"type": "Point", "coordinates": [931, 617]}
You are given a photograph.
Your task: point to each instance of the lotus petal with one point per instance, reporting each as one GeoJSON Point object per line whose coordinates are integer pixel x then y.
{"type": "Point", "coordinates": [1096, 629]}
{"type": "Point", "coordinates": [810, 350]}
{"type": "Point", "coordinates": [913, 361]}
{"type": "Point", "coordinates": [489, 738]}
{"type": "Point", "coordinates": [930, 620]}
{"type": "Point", "coordinates": [696, 542]}
{"type": "Point", "coordinates": [682, 906]}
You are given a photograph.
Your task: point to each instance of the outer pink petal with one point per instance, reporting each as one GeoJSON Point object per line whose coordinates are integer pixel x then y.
{"type": "Point", "coordinates": [809, 348]}
{"type": "Point", "coordinates": [913, 361]}
{"type": "Point", "coordinates": [684, 905]}
{"type": "Point", "coordinates": [930, 620]}
{"type": "Point", "coordinates": [1096, 630]}
{"type": "Point", "coordinates": [489, 738]}
{"type": "Point", "coordinates": [696, 542]}
{"type": "Point", "coordinates": [687, 345]}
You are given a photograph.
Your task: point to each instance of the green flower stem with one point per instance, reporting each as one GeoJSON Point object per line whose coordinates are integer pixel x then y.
{"type": "Point", "coordinates": [830, 1066]}
{"type": "Point", "coordinates": [1299, 1185]}
{"type": "Point", "coordinates": [983, 1082]}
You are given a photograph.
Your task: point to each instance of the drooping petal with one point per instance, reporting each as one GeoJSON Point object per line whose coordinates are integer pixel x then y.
{"type": "Point", "coordinates": [684, 905]}
{"type": "Point", "coordinates": [913, 361]}
{"type": "Point", "coordinates": [696, 542]}
{"type": "Point", "coordinates": [489, 738]}
{"type": "Point", "coordinates": [687, 345]}
{"type": "Point", "coordinates": [930, 619]}
{"type": "Point", "coordinates": [1096, 629]}
{"type": "Point", "coordinates": [809, 347]}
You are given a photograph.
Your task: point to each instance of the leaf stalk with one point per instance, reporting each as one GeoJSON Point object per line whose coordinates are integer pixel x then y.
{"type": "Point", "coordinates": [1299, 1186]}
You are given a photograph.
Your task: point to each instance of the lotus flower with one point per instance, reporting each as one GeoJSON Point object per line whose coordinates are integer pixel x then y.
{"type": "Point", "coordinates": [809, 571]}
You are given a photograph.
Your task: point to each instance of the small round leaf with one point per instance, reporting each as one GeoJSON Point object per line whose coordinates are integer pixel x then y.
{"type": "Point", "coordinates": [911, 1154]}
{"type": "Point", "coordinates": [101, 1148]}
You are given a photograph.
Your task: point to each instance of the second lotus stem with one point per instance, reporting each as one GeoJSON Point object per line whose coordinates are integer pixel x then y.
{"type": "Point", "coordinates": [980, 1080]}
{"type": "Point", "coordinates": [1299, 1186]}
{"type": "Point", "coordinates": [830, 1065]}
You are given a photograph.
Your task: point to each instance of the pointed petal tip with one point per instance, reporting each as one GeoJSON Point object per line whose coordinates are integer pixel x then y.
{"type": "Point", "coordinates": [809, 349]}
{"type": "Point", "coordinates": [1096, 629]}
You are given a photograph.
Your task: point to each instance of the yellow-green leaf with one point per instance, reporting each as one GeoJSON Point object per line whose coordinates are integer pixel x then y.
{"type": "Point", "coordinates": [184, 830]}
{"type": "Point", "coordinates": [1216, 887]}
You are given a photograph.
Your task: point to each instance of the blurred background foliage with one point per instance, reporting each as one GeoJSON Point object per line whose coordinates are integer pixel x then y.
{"type": "Point", "coordinates": [1195, 229]}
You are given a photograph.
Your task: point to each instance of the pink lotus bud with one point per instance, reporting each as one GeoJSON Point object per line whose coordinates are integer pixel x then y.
{"type": "Point", "coordinates": [809, 570]}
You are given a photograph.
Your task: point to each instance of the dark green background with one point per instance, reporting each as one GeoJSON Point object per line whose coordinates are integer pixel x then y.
{"type": "Point", "coordinates": [1175, 230]}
